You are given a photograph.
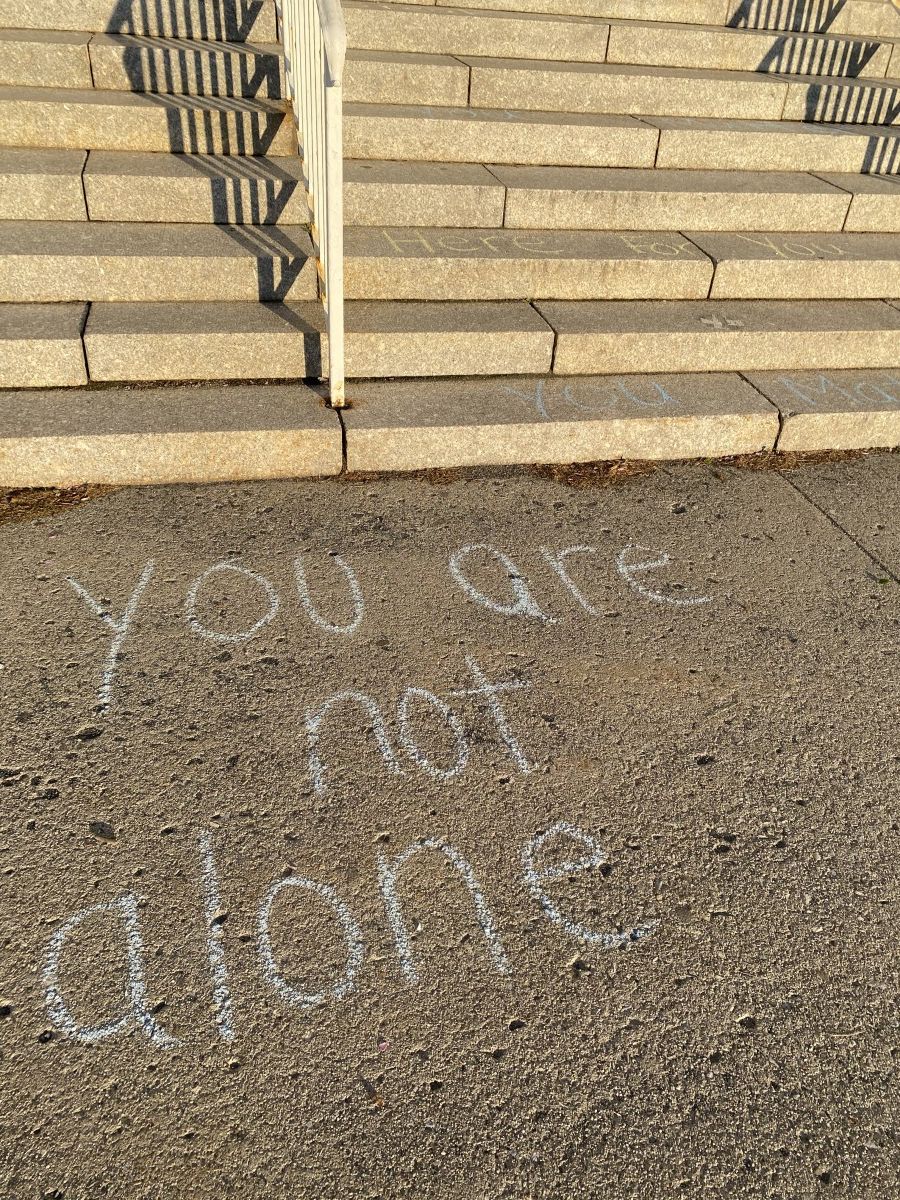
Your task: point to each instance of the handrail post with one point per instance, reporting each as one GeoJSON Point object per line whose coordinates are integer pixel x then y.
{"type": "Point", "coordinates": [314, 37]}
{"type": "Point", "coordinates": [334, 278]}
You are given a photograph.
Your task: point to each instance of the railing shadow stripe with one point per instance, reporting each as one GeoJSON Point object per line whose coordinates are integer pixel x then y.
{"type": "Point", "coordinates": [226, 125]}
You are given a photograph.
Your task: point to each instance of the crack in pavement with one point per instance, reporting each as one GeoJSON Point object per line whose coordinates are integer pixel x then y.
{"type": "Point", "coordinates": [832, 520]}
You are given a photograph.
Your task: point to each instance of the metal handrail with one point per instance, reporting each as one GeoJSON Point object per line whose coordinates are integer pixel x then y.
{"type": "Point", "coordinates": [314, 37]}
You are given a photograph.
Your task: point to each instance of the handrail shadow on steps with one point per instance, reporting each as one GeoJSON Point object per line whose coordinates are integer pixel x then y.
{"type": "Point", "coordinates": [222, 136]}
{"type": "Point", "coordinates": [827, 103]}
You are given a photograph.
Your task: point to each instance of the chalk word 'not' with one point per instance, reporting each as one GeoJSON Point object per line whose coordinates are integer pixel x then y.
{"type": "Point", "coordinates": [483, 690]}
{"type": "Point", "coordinates": [811, 391]}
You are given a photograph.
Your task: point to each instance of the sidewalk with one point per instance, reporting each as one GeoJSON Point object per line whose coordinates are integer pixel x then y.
{"type": "Point", "coordinates": [523, 834]}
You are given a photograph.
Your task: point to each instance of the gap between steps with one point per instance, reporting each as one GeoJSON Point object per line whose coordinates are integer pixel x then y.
{"type": "Point", "coordinates": [340, 416]}
{"type": "Point", "coordinates": [535, 309]}
{"type": "Point", "coordinates": [776, 447]}
{"type": "Point", "coordinates": [709, 258]}
{"type": "Point", "coordinates": [84, 321]}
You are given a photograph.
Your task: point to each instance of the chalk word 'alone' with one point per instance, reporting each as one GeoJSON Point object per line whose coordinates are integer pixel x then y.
{"type": "Point", "coordinates": [538, 876]}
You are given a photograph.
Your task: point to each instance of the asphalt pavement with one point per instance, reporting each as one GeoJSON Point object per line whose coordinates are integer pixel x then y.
{"type": "Point", "coordinates": [527, 834]}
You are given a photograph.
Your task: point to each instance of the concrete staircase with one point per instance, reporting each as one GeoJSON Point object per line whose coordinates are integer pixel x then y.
{"type": "Point", "coordinates": [650, 189]}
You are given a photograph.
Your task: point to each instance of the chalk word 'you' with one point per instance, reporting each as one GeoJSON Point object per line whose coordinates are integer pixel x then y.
{"type": "Point", "coordinates": [271, 602]}
{"type": "Point", "coordinates": [539, 874]}
{"type": "Point", "coordinates": [635, 565]}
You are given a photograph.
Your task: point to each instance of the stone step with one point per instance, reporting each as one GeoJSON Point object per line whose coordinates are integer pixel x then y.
{"type": "Point", "coordinates": [57, 60]}
{"type": "Point", "coordinates": [448, 195]}
{"type": "Point", "coordinates": [145, 188]}
{"type": "Point", "coordinates": [203, 433]}
{"type": "Point", "coordinates": [844, 101]}
{"type": "Point", "coordinates": [471, 135]}
{"type": "Point", "coordinates": [666, 91]}
{"type": "Point", "coordinates": [869, 18]}
{"type": "Point", "coordinates": [742, 49]}
{"type": "Point", "coordinates": [197, 188]}
{"type": "Point", "coordinates": [420, 133]}
{"type": "Point", "coordinates": [49, 261]}
{"type": "Point", "coordinates": [634, 199]}
{"type": "Point", "coordinates": [218, 20]}
{"type": "Point", "coordinates": [204, 188]}
{"type": "Point", "coordinates": [89, 119]}
{"type": "Point", "coordinates": [170, 66]}
{"type": "Point", "coordinates": [40, 345]}
{"type": "Point", "coordinates": [431, 29]}
{"type": "Point", "coordinates": [161, 65]}
{"type": "Point", "coordinates": [166, 66]}
{"type": "Point", "coordinates": [834, 410]}
{"type": "Point", "coordinates": [118, 120]}
{"type": "Point", "coordinates": [166, 435]}
{"type": "Point", "coordinates": [167, 342]}
{"type": "Point", "coordinates": [502, 264]}
{"type": "Point", "coordinates": [866, 18]}
{"type": "Point", "coordinates": [262, 191]}
{"type": "Point", "coordinates": [778, 266]}
{"type": "Point", "coordinates": [435, 29]}
{"type": "Point", "coordinates": [686, 143]}
{"type": "Point", "coordinates": [173, 342]}
{"type": "Point", "coordinates": [705, 12]}
{"type": "Point", "coordinates": [412, 425]}
{"type": "Point", "coordinates": [727, 335]}
{"type": "Point", "coordinates": [240, 20]}
{"type": "Point", "coordinates": [42, 185]}
{"type": "Point", "coordinates": [875, 205]}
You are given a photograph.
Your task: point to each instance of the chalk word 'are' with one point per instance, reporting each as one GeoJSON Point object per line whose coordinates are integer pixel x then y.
{"type": "Point", "coordinates": [539, 874]}
{"type": "Point", "coordinates": [632, 565]}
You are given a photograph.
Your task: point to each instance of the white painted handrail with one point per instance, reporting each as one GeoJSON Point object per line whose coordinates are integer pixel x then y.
{"type": "Point", "coordinates": [314, 37]}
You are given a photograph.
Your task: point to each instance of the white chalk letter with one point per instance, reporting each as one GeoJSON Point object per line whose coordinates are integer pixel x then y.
{"type": "Point", "coordinates": [557, 560]}
{"type": "Point", "coordinates": [387, 874]}
{"type": "Point", "coordinates": [118, 625]}
{"type": "Point", "coordinates": [355, 595]}
{"type": "Point", "coordinates": [628, 571]}
{"type": "Point", "coordinates": [214, 635]}
{"type": "Point", "coordinates": [126, 907]}
{"type": "Point", "coordinates": [411, 746]}
{"type": "Point", "coordinates": [214, 947]}
{"type": "Point", "coordinates": [536, 877]}
{"type": "Point", "coordinates": [314, 719]}
{"type": "Point", "coordinates": [523, 604]}
{"type": "Point", "coordinates": [352, 935]}
{"type": "Point", "coordinates": [490, 692]}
